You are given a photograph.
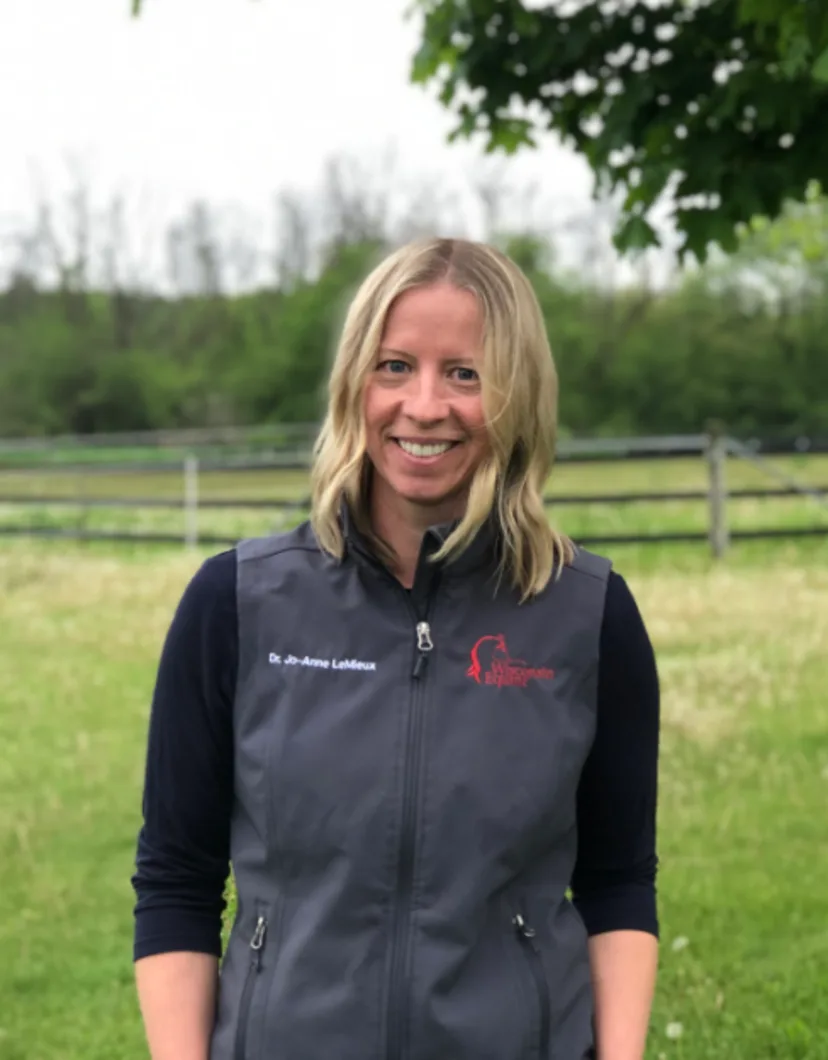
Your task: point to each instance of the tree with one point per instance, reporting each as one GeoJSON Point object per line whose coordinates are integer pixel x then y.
{"type": "Point", "coordinates": [721, 103]}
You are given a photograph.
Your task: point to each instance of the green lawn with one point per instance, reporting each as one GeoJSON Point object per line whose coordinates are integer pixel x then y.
{"type": "Point", "coordinates": [744, 789]}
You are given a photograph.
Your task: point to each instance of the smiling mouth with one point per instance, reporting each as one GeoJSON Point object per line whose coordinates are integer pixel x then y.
{"type": "Point", "coordinates": [424, 449]}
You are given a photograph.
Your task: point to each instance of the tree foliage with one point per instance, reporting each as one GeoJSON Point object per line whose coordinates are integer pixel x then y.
{"type": "Point", "coordinates": [742, 340]}
{"type": "Point", "coordinates": [721, 104]}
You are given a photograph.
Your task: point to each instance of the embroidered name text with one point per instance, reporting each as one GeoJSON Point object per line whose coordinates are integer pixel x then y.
{"type": "Point", "coordinates": [320, 664]}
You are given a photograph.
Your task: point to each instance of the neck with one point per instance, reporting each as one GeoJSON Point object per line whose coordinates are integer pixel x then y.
{"type": "Point", "coordinates": [402, 525]}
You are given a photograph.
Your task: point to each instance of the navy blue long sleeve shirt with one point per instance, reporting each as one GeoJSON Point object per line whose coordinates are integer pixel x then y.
{"type": "Point", "coordinates": [183, 847]}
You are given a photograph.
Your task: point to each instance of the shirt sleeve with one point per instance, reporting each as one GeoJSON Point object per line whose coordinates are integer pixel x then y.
{"type": "Point", "coordinates": [182, 859]}
{"type": "Point", "coordinates": [613, 885]}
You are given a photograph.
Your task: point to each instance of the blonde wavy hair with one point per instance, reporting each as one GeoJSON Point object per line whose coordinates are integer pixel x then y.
{"type": "Point", "coordinates": [520, 400]}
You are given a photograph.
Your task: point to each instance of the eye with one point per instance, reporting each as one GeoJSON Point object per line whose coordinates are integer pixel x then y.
{"type": "Point", "coordinates": [393, 365]}
{"type": "Point", "coordinates": [464, 374]}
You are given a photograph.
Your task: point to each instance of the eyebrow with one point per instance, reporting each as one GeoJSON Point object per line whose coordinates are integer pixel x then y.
{"type": "Point", "coordinates": [405, 353]}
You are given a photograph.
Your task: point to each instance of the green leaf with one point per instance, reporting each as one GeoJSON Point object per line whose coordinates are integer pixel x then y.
{"type": "Point", "coordinates": [819, 71]}
{"type": "Point", "coordinates": [636, 234]}
{"type": "Point", "coordinates": [429, 60]}
{"type": "Point", "coordinates": [696, 228]}
{"type": "Point", "coordinates": [136, 8]}
{"type": "Point", "coordinates": [727, 238]}
{"type": "Point", "coordinates": [510, 134]}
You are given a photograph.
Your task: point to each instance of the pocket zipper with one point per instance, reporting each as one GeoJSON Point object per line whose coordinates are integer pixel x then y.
{"type": "Point", "coordinates": [526, 934]}
{"type": "Point", "coordinates": [256, 947]}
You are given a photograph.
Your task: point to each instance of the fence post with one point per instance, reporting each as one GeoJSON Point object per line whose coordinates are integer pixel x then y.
{"type": "Point", "coordinates": [80, 493]}
{"type": "Point", "coordinates": [191, 501]}
{"type": "Point", "coordinates": [716, 454]}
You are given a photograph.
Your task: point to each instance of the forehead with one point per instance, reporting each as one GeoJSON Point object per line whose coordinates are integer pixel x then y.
{"type": "Point", "coordinates": [439, 314]}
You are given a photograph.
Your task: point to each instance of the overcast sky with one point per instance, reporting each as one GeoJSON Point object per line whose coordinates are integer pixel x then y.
{"type": "Point", "coordinates": [232, 101]}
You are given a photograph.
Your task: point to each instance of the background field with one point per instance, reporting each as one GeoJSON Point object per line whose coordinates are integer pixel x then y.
{"type": "Point", "coordinates": [569, 480]}
{"type": "Point", "coordinates": [744, 783]}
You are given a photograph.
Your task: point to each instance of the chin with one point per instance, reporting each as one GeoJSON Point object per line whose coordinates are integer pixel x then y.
{"type": "Point", "coordinates": [425, 491]}
{"type": "Point", "coordinates": [433, 498]}
{"type": "Point", "coordinates": [428, 500]}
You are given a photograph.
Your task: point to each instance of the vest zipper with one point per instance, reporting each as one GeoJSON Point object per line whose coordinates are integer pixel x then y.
{"type": "Point", "coordinates": [408, 839]}
{"type": "Point", "coordinates": [256, 947]}
{"type": "Point", "coordinates": [526, 935]}
{"type": "Point", "coordinates": [424, 646]}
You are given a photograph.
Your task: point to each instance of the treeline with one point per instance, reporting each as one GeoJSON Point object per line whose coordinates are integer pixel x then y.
{"type": "Point", "coordinates": [744, 341]}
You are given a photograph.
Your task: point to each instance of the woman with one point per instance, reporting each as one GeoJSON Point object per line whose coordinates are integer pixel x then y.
{"type": "Point", "coordinates": [412, 725]}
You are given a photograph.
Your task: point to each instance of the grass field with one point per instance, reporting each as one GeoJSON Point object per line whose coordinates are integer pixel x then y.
{"type": "Point", "coordinates": [744, 788]}
{"type": "Point", "coordinates": [568, 479]}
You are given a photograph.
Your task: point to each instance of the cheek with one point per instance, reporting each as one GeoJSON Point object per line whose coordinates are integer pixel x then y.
{"type": "Point", "coordinates": [481, 448]}
{"type": "Point", "coordinates": [482, 445]}
{"type": "Point", "coordinates": [372, 407]}
{"type": "Point", "coordinates": [475, 420]}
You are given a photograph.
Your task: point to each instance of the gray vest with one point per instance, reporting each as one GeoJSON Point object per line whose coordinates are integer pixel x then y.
{"type": "Point", "coordinates": [404, 828]}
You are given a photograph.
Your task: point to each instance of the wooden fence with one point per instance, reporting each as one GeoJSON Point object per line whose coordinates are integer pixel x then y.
{"type": "Point", "coordinates": [249, 453]}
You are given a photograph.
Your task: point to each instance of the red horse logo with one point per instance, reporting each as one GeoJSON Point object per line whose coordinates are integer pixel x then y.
{"type": "Point", "coordinates": [502, 669]}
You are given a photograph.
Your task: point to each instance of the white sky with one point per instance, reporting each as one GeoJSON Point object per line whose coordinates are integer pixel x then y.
{"type": "Point", "coordinates": [230, 101]}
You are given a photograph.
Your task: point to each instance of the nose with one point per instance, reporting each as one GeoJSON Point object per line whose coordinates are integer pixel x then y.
{"type": "Point", "coordinates": [425, 398]}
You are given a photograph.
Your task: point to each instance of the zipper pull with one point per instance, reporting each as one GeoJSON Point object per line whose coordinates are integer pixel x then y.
{"type": "Point", "coordinates": [424, 646]}
{"type": "Point", "coordinates": [257, 943]}
{"type": "Point", "coordinates": [523, 928]}
{"type": "Point", "coordinates": [424, 643]}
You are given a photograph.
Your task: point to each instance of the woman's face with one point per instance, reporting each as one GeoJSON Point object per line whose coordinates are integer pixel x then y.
{"type": "Point", "coordinates": [423, 407]}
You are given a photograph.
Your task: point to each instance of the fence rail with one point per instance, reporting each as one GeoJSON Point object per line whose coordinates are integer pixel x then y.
{"type": "Point", "coordinates": [220, 540]}
{"type": "Point", "coordinates": [280, 503]}
{"type": "Point", "coordinates": [715, 448]}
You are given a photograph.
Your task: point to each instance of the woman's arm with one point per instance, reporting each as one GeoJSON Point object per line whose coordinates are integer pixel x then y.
{"type": "Point", "coordinates": [177, 994]}
{"type": "Point", "coordinates": [623, 965]}
{"type": "Point", "coordinates": [613, 883]}
{"type": "Point", "coordinates": [183, 848]}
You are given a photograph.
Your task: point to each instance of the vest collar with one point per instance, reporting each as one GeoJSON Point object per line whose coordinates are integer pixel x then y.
{"type": "Point", "coordinates": [481, 553]}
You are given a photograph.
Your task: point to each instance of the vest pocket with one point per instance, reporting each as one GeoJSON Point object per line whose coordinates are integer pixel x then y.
{"type": "Point", "coordinates": [254, 967]}
{"type": "Point", "coordinates": [529, 945]}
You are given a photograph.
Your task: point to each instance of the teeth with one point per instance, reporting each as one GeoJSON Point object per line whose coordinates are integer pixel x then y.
{"type": "Point", "coordinates": [414, 449]}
